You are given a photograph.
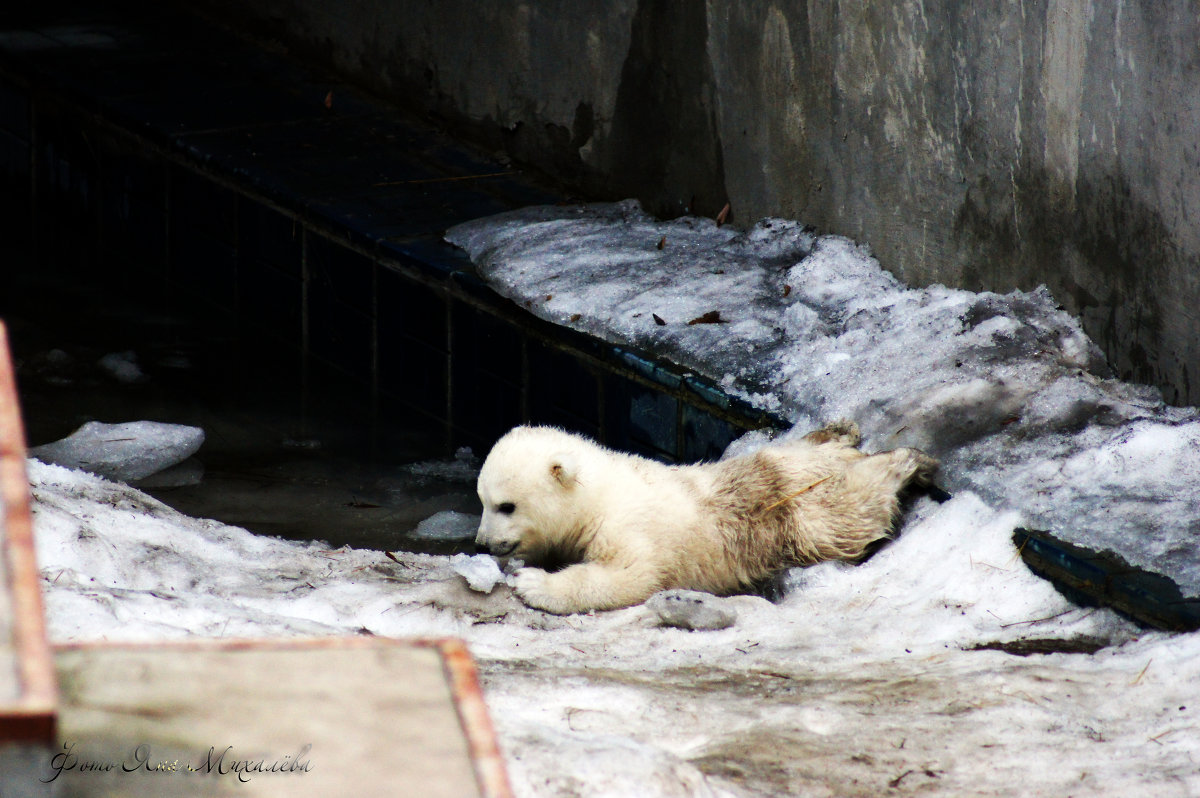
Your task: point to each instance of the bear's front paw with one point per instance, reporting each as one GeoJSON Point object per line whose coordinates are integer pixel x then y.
{"type": "Point", "coordinates": [532, 586]}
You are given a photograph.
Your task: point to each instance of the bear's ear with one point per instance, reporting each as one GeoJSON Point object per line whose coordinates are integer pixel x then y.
{"type": "Point", "coordinates": [565, 469]}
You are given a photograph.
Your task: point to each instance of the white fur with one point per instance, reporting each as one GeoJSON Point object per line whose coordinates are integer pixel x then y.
{"type": "Point", "coordinates": [628, 527]}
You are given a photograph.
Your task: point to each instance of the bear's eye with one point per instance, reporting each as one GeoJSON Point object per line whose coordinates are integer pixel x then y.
{"type": "Point", "coordinates": [507, 508]}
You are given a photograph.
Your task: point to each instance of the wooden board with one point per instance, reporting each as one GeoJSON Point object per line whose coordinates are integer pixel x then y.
{"type": "Point", "coordinates": [359, 717]}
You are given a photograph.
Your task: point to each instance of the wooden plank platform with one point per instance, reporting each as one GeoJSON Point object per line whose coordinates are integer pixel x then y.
{"type": "Point", "coordinates": [359, 716]}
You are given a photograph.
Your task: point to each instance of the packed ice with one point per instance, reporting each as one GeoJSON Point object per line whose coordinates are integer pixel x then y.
{"type": "Point", "coordinates": [941, 665]}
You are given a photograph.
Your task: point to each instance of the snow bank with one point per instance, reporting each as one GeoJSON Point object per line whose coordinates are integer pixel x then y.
{"type": "Point", "coordinates": [861, 676]}
{"type": "Point", "coordinates": [1006, 390]}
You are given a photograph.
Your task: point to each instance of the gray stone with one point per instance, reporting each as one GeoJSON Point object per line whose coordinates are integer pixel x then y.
{"type": "Point", "coordinates": [691, 609]}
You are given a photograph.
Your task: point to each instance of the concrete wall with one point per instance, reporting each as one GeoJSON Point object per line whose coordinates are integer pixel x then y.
{"type": "Point", "coordinates": [984, 145]}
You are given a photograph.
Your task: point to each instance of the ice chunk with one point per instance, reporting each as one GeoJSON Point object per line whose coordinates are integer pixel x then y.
{"type": "Point", "coordinates": [463, 468]}
{"type": "Point", "coordinates": [448, 525]}
{"type": "Point", "coordinates": [57, 358]}
{"type": "Point", "coordinates": [691, 609]}
{"type": "Point", "coordinates": [122, 367]}
{"type": "Point", "coordinates": [125, 452]}
{"type": "Point", "coordinates": [481, 571]}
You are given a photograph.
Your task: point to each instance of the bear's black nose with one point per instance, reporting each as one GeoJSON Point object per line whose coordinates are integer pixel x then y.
{"type": "Point", "coordinates": [482, 549]}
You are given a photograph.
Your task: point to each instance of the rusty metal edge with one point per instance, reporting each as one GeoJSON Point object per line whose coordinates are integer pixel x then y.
{"type": "Point", "coordinates": [490, 770]}
{"type": "Point", "coordinates": [491, 774]}
{"type": "Point", "coordinates": [33, 718]}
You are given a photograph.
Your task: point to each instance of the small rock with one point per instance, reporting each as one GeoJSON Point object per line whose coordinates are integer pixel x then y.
{"type": "Point", "coordinates": [691, 609]}
{"type": "Point", "coordinates": [481, 571]}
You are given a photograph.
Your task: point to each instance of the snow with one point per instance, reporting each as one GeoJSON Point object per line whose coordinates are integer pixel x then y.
{"type": "Point", "coordinates": [861, 676]}
{"type": "Point", "coordinates": [863, 680]}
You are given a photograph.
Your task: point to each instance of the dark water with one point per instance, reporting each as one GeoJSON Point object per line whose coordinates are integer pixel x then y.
{"type": "Point", "coordinates": [288, 451]}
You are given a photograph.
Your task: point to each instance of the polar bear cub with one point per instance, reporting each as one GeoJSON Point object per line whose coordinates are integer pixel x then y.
{"type": "Point", "coordinates": [627, 527]}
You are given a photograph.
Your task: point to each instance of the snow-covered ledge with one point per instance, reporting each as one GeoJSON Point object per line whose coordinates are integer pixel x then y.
{"type": "Point", "coordinates": [1006, 390]}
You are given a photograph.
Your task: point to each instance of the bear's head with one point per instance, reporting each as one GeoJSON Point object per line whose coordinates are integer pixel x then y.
{"type": "Point", "coordinates": [528, 487]}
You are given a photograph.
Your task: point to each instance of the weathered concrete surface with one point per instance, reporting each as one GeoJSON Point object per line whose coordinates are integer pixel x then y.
{"type": "Point", "coordinates": [988, 147]}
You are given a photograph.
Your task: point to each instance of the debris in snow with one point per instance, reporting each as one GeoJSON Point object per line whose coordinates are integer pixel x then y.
{"type": "Point", "coordinates": [448, 525]}
{"type": "Point", "coordinates": [711, 317]}
{"type": "Point", "coordinates": [691, 609]}
{"type": "Point", "coordinates": [125, 452]}
{"type": "Point", "coordinates": [481, 571]}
